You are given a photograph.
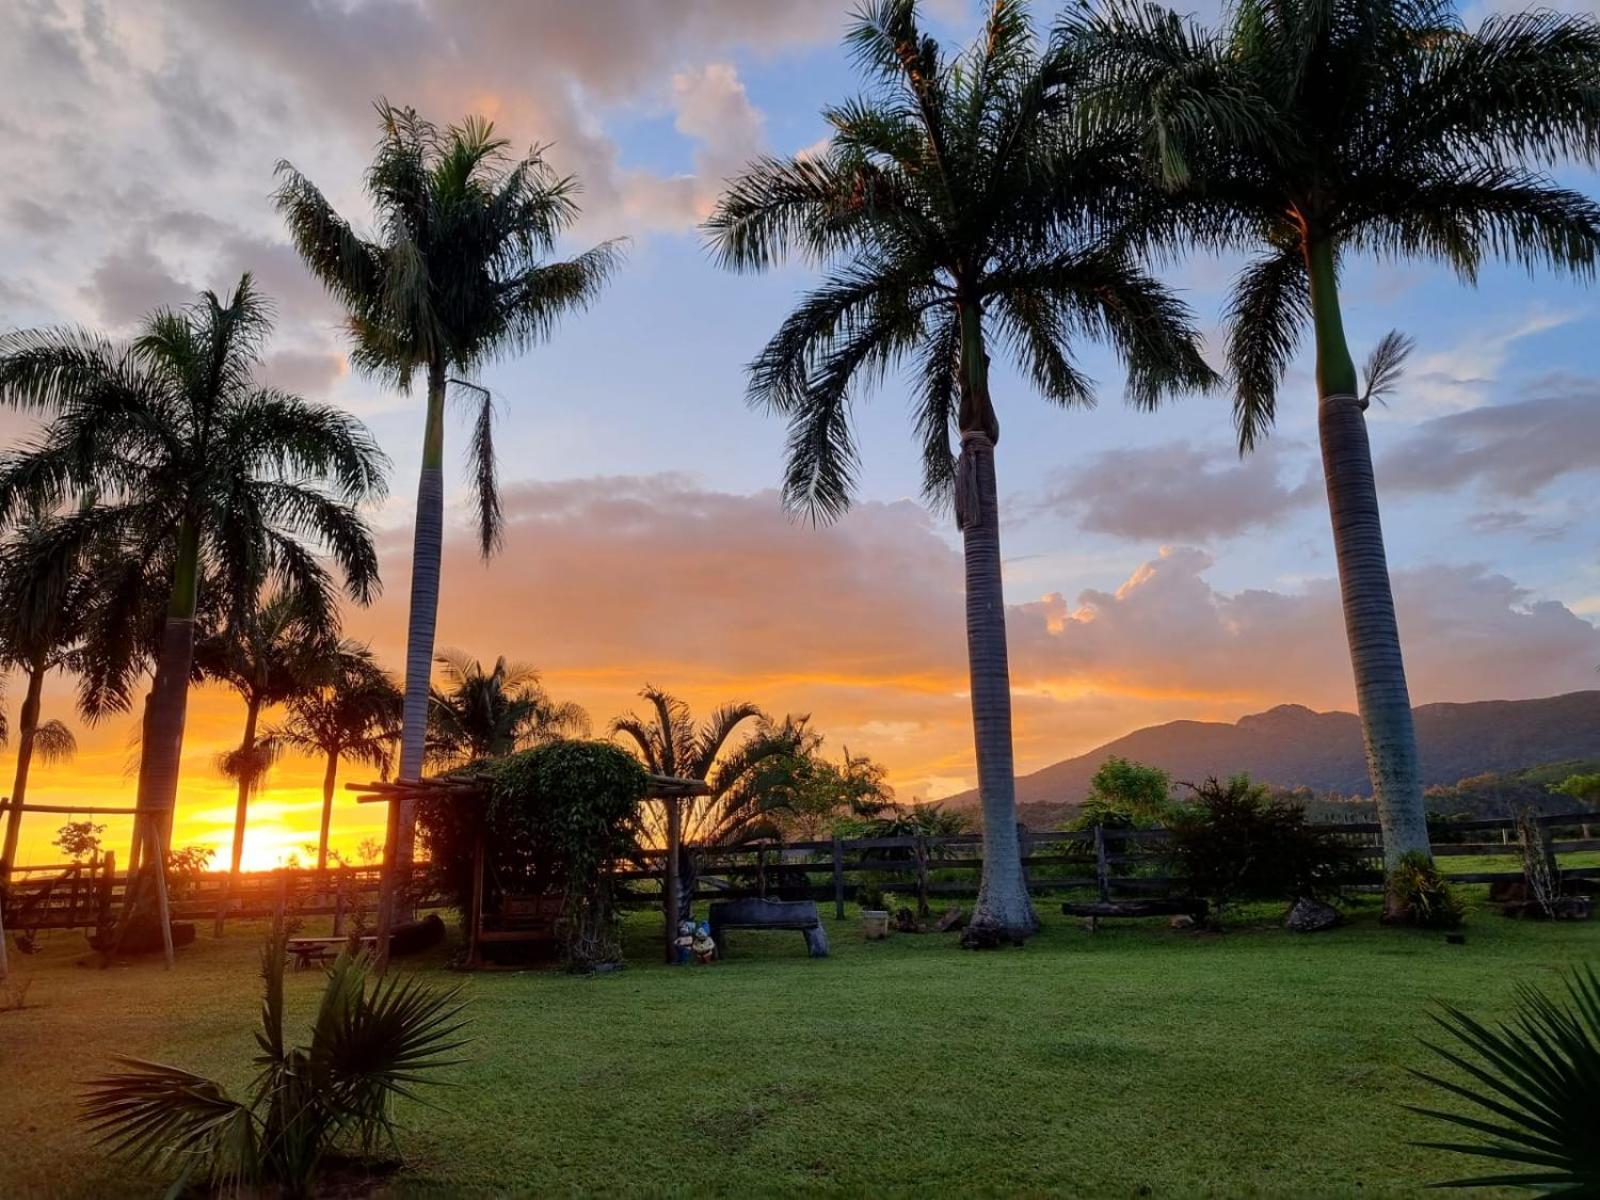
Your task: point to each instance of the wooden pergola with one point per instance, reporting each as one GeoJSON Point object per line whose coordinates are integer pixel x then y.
{"type": "Point", "coordinates": [472, 789]}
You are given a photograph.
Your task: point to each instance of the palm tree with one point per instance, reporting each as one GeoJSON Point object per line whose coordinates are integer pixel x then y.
{"type": "Point", "coordinates": [44, 600]}
{"type": "Point", "coordinates": [353, 715]}
{"type": "Point", "coordinates": [268, 656]}
{"type": "Point", "coordinates": [480, 714]}
{"type": "Point", "coordinates": [741, 800]}
{"type": "Point", "coordinates": [456, 278]}
{"type": "Point", "coordinates": [206, 484]}
{"type": "Point", "coordinates": [957, 207]}
{"type": "Point", "coordinates": [1307, 131]}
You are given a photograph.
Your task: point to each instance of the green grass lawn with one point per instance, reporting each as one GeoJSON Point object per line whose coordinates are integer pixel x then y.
{"type": "Point", "coordinates": [1133, 1062]}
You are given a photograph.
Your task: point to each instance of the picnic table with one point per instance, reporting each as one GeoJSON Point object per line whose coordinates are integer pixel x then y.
{"type": "Point", "coordinates": [308, 950]}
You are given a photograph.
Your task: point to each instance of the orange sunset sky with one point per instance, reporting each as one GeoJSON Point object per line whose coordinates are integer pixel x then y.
{"type": "Point", "coordinates": [1152, 574]}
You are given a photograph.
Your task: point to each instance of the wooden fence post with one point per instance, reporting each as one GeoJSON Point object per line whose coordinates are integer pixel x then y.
{"type": "Point", "coordinates": [838, 877]}
{"type": "Point", "coordinates": [761, 871]}
{"type": "Point", "coordinates": [921, 850]}
{"type": "Point", "coordinates": [1101, 870]}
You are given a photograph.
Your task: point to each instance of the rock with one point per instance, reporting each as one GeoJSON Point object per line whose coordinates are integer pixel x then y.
{"type": "Point", "coordinates": [1311, 916]}
{"type": "Point", "coordinates": [954, 919]}
{"type": "Point", "coordinates": [1181, 921]}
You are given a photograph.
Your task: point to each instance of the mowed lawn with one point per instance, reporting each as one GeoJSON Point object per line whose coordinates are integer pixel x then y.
{"type": "Point", "coordinates": [1136, 1061]}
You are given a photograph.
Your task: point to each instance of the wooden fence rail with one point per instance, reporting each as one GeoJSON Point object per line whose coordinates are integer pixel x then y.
{"type": "Point", "coordinates": [918, 869]}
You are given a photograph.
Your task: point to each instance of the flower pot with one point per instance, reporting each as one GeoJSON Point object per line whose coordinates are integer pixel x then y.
{"type": "Point", "coordinates": [875, 924]}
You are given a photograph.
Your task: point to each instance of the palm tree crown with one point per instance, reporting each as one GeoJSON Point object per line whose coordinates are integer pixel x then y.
{"type": "Point", "coordinates": [353, 713]}
{"type": "Point", "coordinates": [955, 205]}
{"type": "Point", "coordinates": [1321, 127]}
{"type": "Point", "coordinates": [490, 714]}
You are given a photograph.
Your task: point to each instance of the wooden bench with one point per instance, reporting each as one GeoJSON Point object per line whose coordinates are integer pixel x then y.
{"type": "Point", "coordinates": [307, 951]}
{"type": "Point", "coordinates": [798, 915]}
{"type": "Point", "coordinates": [1176, 906]}
{"type": "Point", "coordinates": [521, 918]}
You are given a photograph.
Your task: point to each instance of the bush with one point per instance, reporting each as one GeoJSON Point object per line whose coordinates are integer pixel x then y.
{"type": "Point", "coordinates": [1418, 895]}
{"type": "Point", "coordinates": [1234, 842]}
{"type": "Point", "coordinates": [556, 818]}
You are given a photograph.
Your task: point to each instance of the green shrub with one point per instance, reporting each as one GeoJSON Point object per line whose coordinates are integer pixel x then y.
{"type": "Point", "coordinates": [1234, 841]}
{"type": "Point", "coordinates": [1419, 895]}
{"type": "Point", "coordinates": [556, 819]}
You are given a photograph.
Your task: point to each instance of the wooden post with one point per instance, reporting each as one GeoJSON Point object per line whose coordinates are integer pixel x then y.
{"type": "Point", "coordinates": [1101, 870]}
{"type": "Point", "coordinates": [338, 901]}
{"type": "Point", "coordinates": [386, 884]}
{"type": "Point", "coordinates": [475, 922]}
{"type": "Point", "coordinates": [922, 876]}
{"type": "Point", "coordinates": [158, 867]}
{"type": "Point", "coordinates": [761, 871]}
{"type": "Point", "coordinates": [5, 961]}
{"type": "Point", "coordinates": [102, 916]}
{"type": "Point", "coordinates": [838, 877]}
{"type": "Point", "coordinates": [671, 910]}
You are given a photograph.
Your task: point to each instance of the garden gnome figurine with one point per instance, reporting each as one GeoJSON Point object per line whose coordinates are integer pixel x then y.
{"type": "Point", "coordinates": [683, 943]}
{"type": "Point", "coordinates": [704, 948]}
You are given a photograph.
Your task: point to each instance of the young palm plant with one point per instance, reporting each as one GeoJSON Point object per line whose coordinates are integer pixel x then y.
{"type": "Point", "coordinates": [957, 208]}
{"type": "Point", "coordinates": [1535, 1082]}
{"type": "Point", "coordinates": [352, 715]}
{"type": "Point", "coordinates": [207, 484]}
{"type": "Point", "coordinates": [741, 801]}
{"type": "Point", "coordinates": [456, 277]}
{"type": "Point", "coordinates": [371, 1041]}
{"type": "Point", "coordinates": [1310, 131]}
{"type": "Point", "coordinates": [480, 714]}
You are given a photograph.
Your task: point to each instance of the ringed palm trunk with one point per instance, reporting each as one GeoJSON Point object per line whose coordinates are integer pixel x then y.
{"type": "Point", "coordinates": [241, 810]}
{"type": "Point", "coordinates": [1387, 726]}
{"type": "Point", "coordinates": [19, 789]}
{"type": "Point", "coordinates": [427, 543]}
{"type": "Point", "coordinates": [1003, 902]}
{"type": "Point", "coordinates": [169, 693]}
{"type": "Point", "coordinates": [329, 778]}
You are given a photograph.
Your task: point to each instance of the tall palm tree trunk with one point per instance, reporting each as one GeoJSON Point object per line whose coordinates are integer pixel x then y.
{"type": "Point", "coordinates": [329, 778]}
{"type": "Point", "coordinates": [1003, 902]}
{"type": "Point", "coordinates": [19, 789]}
{"type": "Point", "coordinates": [1387, 727]}
{"type": "Point", "coordinates": [427, 544]}
{"type": "Point", "coordinates": [247, 781]}
{"type": "Point", "coordinates": [162, 750]}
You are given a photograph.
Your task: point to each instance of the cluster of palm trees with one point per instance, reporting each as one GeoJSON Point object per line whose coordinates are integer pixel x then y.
{"type": "Point", "coordinates": [174, 518]}
{"type": "Point", "coordinates": [1011, 196]}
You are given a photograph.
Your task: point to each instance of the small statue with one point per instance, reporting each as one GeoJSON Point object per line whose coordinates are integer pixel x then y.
{"type": "Point", "coordinates": [684, 942]}
{"type": "Point", "coordinates": [705, 950]}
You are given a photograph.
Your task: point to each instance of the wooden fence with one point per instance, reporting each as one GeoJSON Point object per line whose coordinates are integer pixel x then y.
{"type": "Point", "coordinates": [920, 870]}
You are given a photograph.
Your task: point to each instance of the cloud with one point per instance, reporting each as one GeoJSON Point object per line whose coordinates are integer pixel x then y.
{"type": "Point", "coordinates": [1179, 491]}
{"type": "Point", "coordinates": [1466, 375]}
{"type": "Point", "coordinates": [1507, 450]}
{"type": "Point", "coordinates": [132, 281]}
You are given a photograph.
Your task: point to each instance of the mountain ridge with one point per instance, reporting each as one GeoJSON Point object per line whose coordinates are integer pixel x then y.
{"type": "Point", "coordinates": [1291, 745]}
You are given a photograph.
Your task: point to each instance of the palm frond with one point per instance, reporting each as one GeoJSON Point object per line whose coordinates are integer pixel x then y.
{"type": "Point", "coordinates": [1536, 1079]}
{"type": "Point", "coordinates": [1385, 366]}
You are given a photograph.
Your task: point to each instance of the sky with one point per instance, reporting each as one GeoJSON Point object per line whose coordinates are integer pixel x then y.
{"type": "Point", "coordinates": [1150, 573]}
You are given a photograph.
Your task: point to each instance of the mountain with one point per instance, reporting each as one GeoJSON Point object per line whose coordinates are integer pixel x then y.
{"type": "Point", "coordinates": [1293, 746]}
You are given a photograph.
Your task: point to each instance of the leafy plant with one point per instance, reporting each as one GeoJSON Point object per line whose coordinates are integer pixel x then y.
{"type": "Point", "coordinates": [79, 840]}
{"type": "Point", "coordinates": [1234, 841]}
{"type": "Point", "coordinates": [1538, 1086]}
{"type": "Point", "coordinates": [371, 1040]}
{"type": "Point", "coordinates": [1418, 895]}
{"type": "Point", "coordinates": [556, 819]}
